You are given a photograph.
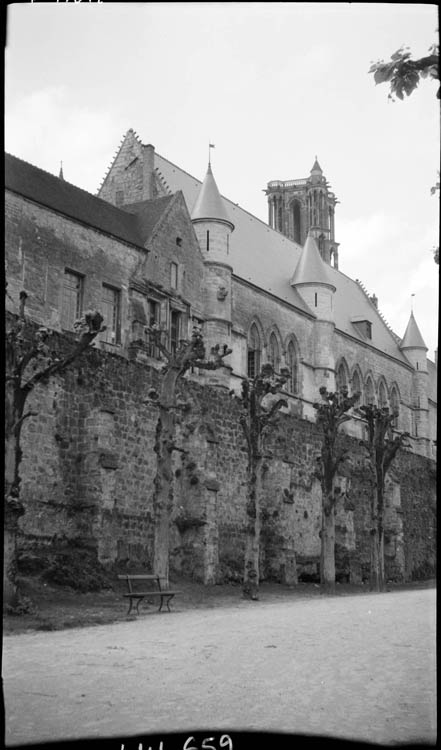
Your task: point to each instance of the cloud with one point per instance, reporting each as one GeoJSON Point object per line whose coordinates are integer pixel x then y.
{"type": "Point", "coordinates": [46, 124]}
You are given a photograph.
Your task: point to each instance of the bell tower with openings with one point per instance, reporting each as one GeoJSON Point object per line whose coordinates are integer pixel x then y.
{"type": "Point", "coordinates": [302, 207]}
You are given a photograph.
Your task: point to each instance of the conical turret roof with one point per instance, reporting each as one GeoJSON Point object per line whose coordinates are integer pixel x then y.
{"type": "Point", "coordinates": [209, 204]}
{"type": "Point", "coordinates": [311, 269]}
{"type": "Point", "coordinates": [316, 167]}
{"type": "Point", "coordinates": [412, 338]}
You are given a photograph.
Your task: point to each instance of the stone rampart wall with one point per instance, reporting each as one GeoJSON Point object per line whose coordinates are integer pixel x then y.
{"type": "Point", "coordinates": [88, 469]}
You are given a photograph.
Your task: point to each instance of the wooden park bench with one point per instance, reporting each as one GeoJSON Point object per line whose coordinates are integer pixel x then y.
{"type": "Point", "coordinates": [155, 590]}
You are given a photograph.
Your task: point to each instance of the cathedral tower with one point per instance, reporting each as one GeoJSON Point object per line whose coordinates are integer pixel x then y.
{"type": "Point", "coordinates": [300, 207]}
{"type": "Point", "coordinates": [213, 228]}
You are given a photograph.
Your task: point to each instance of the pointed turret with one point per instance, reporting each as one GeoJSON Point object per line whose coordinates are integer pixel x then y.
{"type": "Point", "coordinates": [311, 269]}
{"type": "Point", "coordinates": [415, 350]}
{"type": "Point", "coordinates": [412, 338]}
{"type": "Point", "coordinates": [61, 175]}
{"type": "Point", "coordinates": [213, 228]}
{"type": "Point", "coordinates": [316, 168]}
{"type": "Point", "coordinates": [312, 280]}
{"type": "Point", "coordinates": [209, 205]}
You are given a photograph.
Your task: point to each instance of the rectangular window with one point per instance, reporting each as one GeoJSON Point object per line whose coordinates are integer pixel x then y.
{"type": "Point", "coordinates": [72, 304]}
{"type": "Point", "coordinates": [315, 301]}
{"type": "Point", "coordinates": [174, 275]}
{"type": "Point", "coordinates": [175, 330]}
{"type": "Point", "coordinates": [110, 302]}
{"type": "Point", "coordinates": [208, 240]}
{"type": "Point", "coordinates": [153, 317]}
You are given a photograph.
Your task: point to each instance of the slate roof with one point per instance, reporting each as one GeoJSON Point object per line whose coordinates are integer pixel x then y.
{"type": "Point", "coordinates": [209, 204]}
{"type": "Point", "coordinates": [268, 259]}
{"type": "Point", "coordinates": [310, 269]}
{"type": "Point", "coordinates": [148, 214]}
{"type": "Point", "coordinates": [412, 338]}
{"type": "Point", "coordinates": [65, 198]}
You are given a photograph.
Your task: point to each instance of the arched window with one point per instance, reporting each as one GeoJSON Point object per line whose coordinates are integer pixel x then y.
{"type": "Point", "coordinates": [356, 383]}
{"type": "Point", "coordinates": [296, 221]}
{"type": "Point", "coordinates": [341, 379]}
{"type": "Point", "coordinates": [273, 352]}
{"type": "Point", "coordinates": [292, 365]}
{"type": "Point", "coordinates": [382, 395]}
{"type": "Point", "coordinates": [369, 392]}
{"type": "Point", "coordinates": [254, 349]}
{"type": "Point", "coordinates": [395, 405]}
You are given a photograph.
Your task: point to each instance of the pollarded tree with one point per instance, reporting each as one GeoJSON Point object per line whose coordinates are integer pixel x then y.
{"type": "Point", "coordinates": [332, 412]}
{"type": "Point", "coordinates": [189, 354]}
{"type": "Point", "coordinates": [403, 73]}
{"type": "Point", "coordinates": [29, 362]}
{"type": "Point", "coordinates": [382, 447]}
{"type": "Point", "coordinates": [257, 415]}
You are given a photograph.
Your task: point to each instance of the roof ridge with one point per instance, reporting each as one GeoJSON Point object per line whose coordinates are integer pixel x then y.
{"type": "Point", "coordinates": [163, 181]}
{"type": "Point", "coordinates": [114, 157]}
{"type": "Point", "coordinates": [385, 321]}
{"type": "Point", "coordinates": [235, 205]}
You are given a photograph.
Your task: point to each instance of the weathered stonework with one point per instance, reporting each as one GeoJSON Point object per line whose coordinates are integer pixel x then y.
{"type": "Point", "coordinates": [88, 469]}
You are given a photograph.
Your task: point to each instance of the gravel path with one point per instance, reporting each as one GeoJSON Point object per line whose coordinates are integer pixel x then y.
{"type": "Point", "coordinates": [357, 667]}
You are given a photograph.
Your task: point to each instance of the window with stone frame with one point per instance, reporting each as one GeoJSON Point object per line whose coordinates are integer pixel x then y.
{"type": "Point", "coordinates": [72, 302]}
{"type": "Point", "coordinates": [395, 406]}
{"type": "Point", "coordinates": [293, 367]}
{"type": "Point", "coordinates": [174, 275]}
{"type": "Point", "coordinates": [154, 318]}
{"type": "Point", "coordinates": [253, 352]}
{"type": "Point", "coordinates": [110, 305]}
{"type": "Point", "coordinates": [356, 384]}
{"type": "Point", "coordinates": [341, 379]}
{"type": "Point", "coordinates": [175, 330]}
{"type": "Point", "coordinates": [382, 395]}
{"type": "Point", "coordinates": [369, 392]}
{"type": "Point", "coordinates": [273, 352]}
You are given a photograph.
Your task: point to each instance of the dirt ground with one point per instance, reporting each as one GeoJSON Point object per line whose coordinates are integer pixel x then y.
{"type": "Point", "coordinates": [56, 607]}
{"type": "Point", "coordinates": [353, 666]}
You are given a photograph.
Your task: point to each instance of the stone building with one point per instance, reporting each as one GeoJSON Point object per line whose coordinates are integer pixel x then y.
{"type": "Point", "coordinates": [271, 292]}
{"type": "Point", "coordinates": [158, 245]}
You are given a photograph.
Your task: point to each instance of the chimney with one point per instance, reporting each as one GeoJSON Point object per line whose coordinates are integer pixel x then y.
{"type": "Point", "coordinates": [148, 166]}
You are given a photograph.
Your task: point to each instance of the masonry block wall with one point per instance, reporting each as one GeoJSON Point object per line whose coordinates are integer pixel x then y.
{"type": "Point", "coordinates": [43, 244]}
{"type": "Point", "coordinates": [88, 469]}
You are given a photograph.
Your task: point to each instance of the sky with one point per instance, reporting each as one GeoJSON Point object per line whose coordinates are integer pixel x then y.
{"type": "Point", "coordinates": [272, 85]}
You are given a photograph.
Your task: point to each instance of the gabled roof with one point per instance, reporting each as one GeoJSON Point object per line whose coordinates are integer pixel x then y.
{"type": "Point", "coordinates": [209, 204]}
{"type": "Point", "coordinates": [412, 338]}
{"type": "Point", "coordinates": [148, 214]}
{"type": "Point", "coordinates": [311, 269]}
{"type": "Point", "coordinates": [59, 195]}
{"type": "Point", "coordinates": [265, 258]}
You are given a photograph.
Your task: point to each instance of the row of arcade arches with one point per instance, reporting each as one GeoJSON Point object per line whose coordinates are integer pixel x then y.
{"type": "Point", "coordinates": [371, 393]}
{"type": "Point", "coordinates": [279, 354]}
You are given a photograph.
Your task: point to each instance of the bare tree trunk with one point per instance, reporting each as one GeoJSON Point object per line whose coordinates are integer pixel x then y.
{"type": "Point", "coordinates": [13, 508]}
{"type": "Point", "coordinates": [252, 541]}
{"type": "Point", "coordinates": [377, 582]}
{"type": "Point", "coordinates": [163, 483]}
{"type": "Point", "coordinates": [327, 556]}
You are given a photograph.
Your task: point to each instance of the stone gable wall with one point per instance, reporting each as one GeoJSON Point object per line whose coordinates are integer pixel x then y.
{"type": "Point", "coordinates": [88, 469]}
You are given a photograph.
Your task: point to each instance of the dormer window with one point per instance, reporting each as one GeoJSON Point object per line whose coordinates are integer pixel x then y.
{"type": "Point", "coordinates": [363, 326]}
